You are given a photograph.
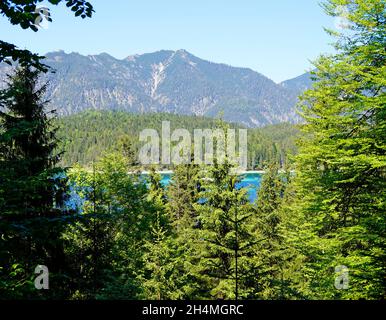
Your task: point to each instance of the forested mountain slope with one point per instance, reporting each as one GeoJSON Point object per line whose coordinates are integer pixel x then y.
{"type": "Point", "coordinates": [87, 135]}
{"type": "Point", "coordinates": [166, 81]}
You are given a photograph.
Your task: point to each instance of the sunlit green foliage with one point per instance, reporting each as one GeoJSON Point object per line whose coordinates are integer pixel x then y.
{"type": "Point", "coordinates": [86, 136]}
{"type": "Point", "coordinates": [341, 181]}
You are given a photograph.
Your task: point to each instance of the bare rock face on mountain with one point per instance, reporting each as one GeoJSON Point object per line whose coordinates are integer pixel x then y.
{"type": "Point", "coordinates": [166, 81]}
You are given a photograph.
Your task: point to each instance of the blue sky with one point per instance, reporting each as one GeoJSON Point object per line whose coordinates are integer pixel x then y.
{"type": "Point", "coordinates": [277, 38]}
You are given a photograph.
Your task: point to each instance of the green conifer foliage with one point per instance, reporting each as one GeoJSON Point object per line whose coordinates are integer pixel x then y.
{"type": "Point", "coordinates": [341, 167]}
{"type": "Point", "coordinates": [225, 239]}
{"type": "Point", "coordinates": [31, 186]}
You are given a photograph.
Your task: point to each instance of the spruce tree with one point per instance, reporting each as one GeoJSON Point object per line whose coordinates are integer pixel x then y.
{"type": "Point", "coordinates": [183, 194]}
{"type": "Point", "coordinates": [27, 147]}
{"type": "Point", "coordinates": [340, 175]}
{"type": "Point", "coordinates": [105, 246]}
{"type": "Point", "coordinates": [269, 252]}
{"type": "Point", "coordinates": [157, 256]}
{"type": "Point", "coordinates": [225, 239]}
{"type": "Point", "coordinates": [32, 187]}
{"type": "Point", "coordinates": [157, 278]}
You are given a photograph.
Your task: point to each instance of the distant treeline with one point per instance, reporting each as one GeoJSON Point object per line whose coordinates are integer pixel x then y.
{"type": "Point", "coordinates": [88, 135]}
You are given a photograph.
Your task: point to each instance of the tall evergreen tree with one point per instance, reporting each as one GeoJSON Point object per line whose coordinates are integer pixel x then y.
{"type": "Point", "coordinates": [341, 167]}
{"type": "Point", "coordinates": [182, 194]}
{"type": "Point", "coordinates": [30, 182]}
{"type": "Point", "coordinates": [27, 147]}
{"type": "Point", "coordinates": [269, 252]}
{"type": "Point", "coordinates": [157, 279]}
{"type": "Point", "coordinates": [126, 145]}
{"type": "Point", "coordinates": [225, 239]}
{"type": "Point", "coordinates": [106, 245]}
{"type": "Point", "coordinates": [158, 274]}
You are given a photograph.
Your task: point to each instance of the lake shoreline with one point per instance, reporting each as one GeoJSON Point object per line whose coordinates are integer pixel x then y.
{"type": "Point", "coordinates": [165, 172]}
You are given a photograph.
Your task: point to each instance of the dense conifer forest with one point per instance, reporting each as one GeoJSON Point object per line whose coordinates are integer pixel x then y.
{"type": "Point", "coordinates": [86, 136]}
{"type": "Point", "coordinates": [74, 224]}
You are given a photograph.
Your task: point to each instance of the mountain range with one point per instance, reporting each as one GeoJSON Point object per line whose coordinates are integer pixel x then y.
{"type": "Point", "coordinates": [168, 81]}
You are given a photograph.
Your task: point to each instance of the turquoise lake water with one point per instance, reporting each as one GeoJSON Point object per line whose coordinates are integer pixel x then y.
{"type": "Point", "coordinates": [251, 181]}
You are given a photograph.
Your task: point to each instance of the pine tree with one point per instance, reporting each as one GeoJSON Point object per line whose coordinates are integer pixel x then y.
{"type": "Point", "coordinates": [340, 176]}
{"type": "Point", "coordinates": [182, 194]}
{"type": "Point", "coordinates": [27, 147]}
{"type": "Point", "coordinates": [157, 280]}
{"type": "Point", "coordinates": [158, 274]}
{"type": "Point", "coordinates": [89, 240]}
{"type": "Point", "coordinates": [126, 145]}
{"type": "Point", "coordinates": [225, 239]}
{"type": "Point", "coordinates": [32, 187]}
{"type": "Point", "coordinates": [269, 252]}
{"type": "Point", "coordinates": [106, 245]}
{"type": "Point", "coordinates": [157, 197]}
